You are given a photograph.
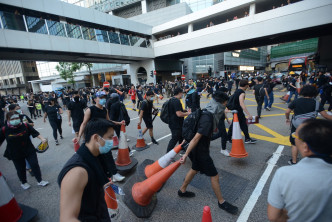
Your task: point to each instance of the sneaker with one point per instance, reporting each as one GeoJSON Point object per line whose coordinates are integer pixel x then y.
{"type": "Point", "coordinates": [25, 186]}
{"type": "Point", "coordinates": [224, 152]}
{"type": "Point", "coordinates": [56, 142]}
{"type": "Point", "coordinates": [290, 162]}
{"type": "Point", "coordinates": [61, 137]}
{"type": "Point", "coordinates": [43, 183]}
{"type": "Point", "coordinates": [154, 141]}
{"type": "Point", "coordinates": [186, 194]}
{"type": "Point", "coordinates": [229, 141]}
{"type": "Point", "coordinates": [229, 208]}
{"type": "Point", "coordinates": [252, 141]}
{"type": "Point", "coordinates": [267, 109]}
{"type": "Point", "coordinates": [132, 152]}
{"type": "Point", "coordinates": [117, 178]}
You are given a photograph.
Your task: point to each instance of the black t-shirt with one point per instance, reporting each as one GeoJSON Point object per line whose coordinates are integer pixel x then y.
{"type": "Point", "coordinates": [175, 122]}
{"type": "Point", "coordinates": [98, 113]}
{"type": "Point", "coordinates": [259, 90]}
{"type": "Point", "coordinates": [304, 105]}
{"type": "Point", "coordinates": [205, 125]}
{"type": "Point", "coordinates": [140, 95]}
{"type": "Point", "coordinates": [269, 87]}
{"type": "Point", "coordinates": [76, 109]}
{"type": "Point", "coordinates": [53, 112]}
{"type": "Point", "coordinates": [147, 108]}
{"type": "Point", "coordinates": [237, 94]}
{"type": "Point", "coordinates": [291, 88]}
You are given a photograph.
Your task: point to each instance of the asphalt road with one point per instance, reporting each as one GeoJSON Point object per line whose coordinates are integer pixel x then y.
{"type": "Point", "coordinates": [244, 182]}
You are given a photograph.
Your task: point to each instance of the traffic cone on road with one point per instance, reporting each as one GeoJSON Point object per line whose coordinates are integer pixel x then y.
{"type": "Point", "coordinates": [10, 210]}
{"type": "Point", "coordinates": [140, 144]}
{"type": "Point", "coordinates": [76, 145]}
{"type": "Point", "coordinates": [112, 203]}
{"type": "Point", "coordinates": [142, 192]}
{"type": "Point", "coordinates": [123, 162]}
{"type": "Point", "coordinates": [238, 149]}
{"type": "Point", "coordinates": [163, 162]}
{"type": "Point", "coordinates": [207, 214]}
{"type": "Point", "coordinates": [161, 97]}
{"type": "Point", "coordinates": [115, 141]}
{"type": "Point", "coordinates": [285, 97]}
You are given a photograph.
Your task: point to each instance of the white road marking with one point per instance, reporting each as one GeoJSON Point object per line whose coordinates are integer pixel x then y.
{"type": "Point", "coordinates": [38, 128]}
{"type": "Point", "coordinates": [161, 138]}
{"type": "Point", "coordinates": [260, 185]}
{"type": "Point", "coordinates": [134, 118]}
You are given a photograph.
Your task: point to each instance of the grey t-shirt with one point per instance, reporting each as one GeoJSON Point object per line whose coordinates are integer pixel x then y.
{"type": "Point", "coordinates": [304, 190]}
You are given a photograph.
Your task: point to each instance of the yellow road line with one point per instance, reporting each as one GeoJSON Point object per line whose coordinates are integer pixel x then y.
{"type": "Point", "coordinates": [268, 130]}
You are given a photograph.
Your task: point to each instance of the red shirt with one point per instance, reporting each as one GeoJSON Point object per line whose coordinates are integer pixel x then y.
{"type": "Point", "coordinates": [133, 92]}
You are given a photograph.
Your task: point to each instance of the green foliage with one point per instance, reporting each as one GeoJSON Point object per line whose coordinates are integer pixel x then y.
{"type": "Point", "coordinates": [67, 70]}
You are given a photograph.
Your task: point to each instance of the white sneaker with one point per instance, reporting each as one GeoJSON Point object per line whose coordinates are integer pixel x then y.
{"type": "Point", "coordinates": [25, 186]}
{"type": "Point", "coordinates": [128, 140]}
{"type": "Point", "coordinates": [117, 178]}
{"type": "Point", "coordinates": [43, 183]}
{"type": "Point", "coordinates": [224, 152]}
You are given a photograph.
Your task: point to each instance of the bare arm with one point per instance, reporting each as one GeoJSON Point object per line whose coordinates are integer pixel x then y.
{"type": "Point", "coordinates": [287, 113]}
{"type": "Point", "coordinates": [276, 215]}
{"type": "Point", "coordinates": [45, 115]}
{"type": "Point", "coordinates": [193, 143]}
{"type": "Point", "coordinates": [140, 117]}
{"type": "Point", "coordinates": [182, 114]}
{"type": "Point", "coordinates": [241, 99]}
{"type": "Point", "coordinates": [72, 187]}
{"type": "Point", "coordinates": [60, 111]}
{"type": "Point", "coordinates": [69, 117]}
{"type": "Point", "coordinates": [87, 116]}
{"type": "Point", "coordinates": [325, 115]}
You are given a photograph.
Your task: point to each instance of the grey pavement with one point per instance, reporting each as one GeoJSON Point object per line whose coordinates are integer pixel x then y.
{"type": "Point", "coordinates": [238, 177]}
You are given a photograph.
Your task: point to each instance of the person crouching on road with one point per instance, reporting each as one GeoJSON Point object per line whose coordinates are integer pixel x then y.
{"type": "Point", "coordinates": [199, 153]}
{"type": "Point", "coordinates": [82, 180]}
{"type": "Point", "coordinates": [20, 148]}
{"type": "Point", "coordinates": [146, 115]}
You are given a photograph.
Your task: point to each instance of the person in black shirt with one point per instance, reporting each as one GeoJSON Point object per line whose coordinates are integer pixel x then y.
{"type": "Point", "coordinates": [76, 112]}
{"type": "Point", "coordinates": [31, 108]}
{"type": "Point", "coordinates": [146, 114]}
{"type": "Point", "coordinates": [115, 111]}
{"type": "Point", "coordinates": [82, 180]}
{"type": "Point", "coordinates": [240, 96]}
{"type": "Point", "coordinates": [196, 97]}
{"type": "Point", "coordinates": [53, 112]}
{"type": "Point", "coordinates": [259, 92]}
{"type": "Point", "coordinates": [139, 96]}
{"type": "Point", "coordinates": [292, 88]}
{"type": "Point", "coordinates": [269, 98]}
{"type": "Point", "coordinates": [176, 117]}
{"type": "Point", "coordinates": [305, 104]}
{"type": "Point", "coordinates": [20, 148]}
{"type": "Point", "coordinates": [199, 152]}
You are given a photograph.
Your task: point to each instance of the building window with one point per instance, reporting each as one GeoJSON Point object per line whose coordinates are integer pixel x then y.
{"type": "Point", "coordinates": [12, 21]}
{"type": "Point", "coordinates": [74, 31]}
{"type": "Point", "coordinates": [88, 33]}
{"type": "Point", "coordinates": [11, 81]}
{"type": "Point", "coordinates": [36, 25]}
{"type": "Point", "coordinates": [56, 28]}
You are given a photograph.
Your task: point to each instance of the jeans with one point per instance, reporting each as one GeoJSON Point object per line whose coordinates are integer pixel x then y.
{"type": "Point", "coordinates": [56, 125]}
{"type": "Point", "coordinates": [243, 126]}
{"type": "Point", "coordinates": [291, 94]}
{"type": "Point", "coordinates": [259, 101]}
{"type": "Point", "coordinates": [268, 103]}
{"type": "Point", "coordinates": [221, 133]}
{"type": "Point", "coordinates": [176, 137]}
{"type": "Point", "coordinates": [20, 166]}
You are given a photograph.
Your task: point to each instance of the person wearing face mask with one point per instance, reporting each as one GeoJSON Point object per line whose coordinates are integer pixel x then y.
{"type": "Point", "coordinates": [82, 180]}
{"type": "Point", "coordinates": [53, 111]}
{"type": "Point", "coordinates": [98, 111]}
{"type": "Point", "coordinates": [196, 97]}
{"type": "Point", "coordinates": [76, 112]}
{"type": "Point", "coordinates": [189, 89]}
{"type": "Point", "coordinates": [20, 148]}
{"type": "Point", "coordinates": [146, 114]}
{"type": "Point", "coordinates": [199, 151]}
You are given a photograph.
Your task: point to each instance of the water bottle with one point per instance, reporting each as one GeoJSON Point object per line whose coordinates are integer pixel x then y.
{"type": "Point", "coordinates": [117, 189]}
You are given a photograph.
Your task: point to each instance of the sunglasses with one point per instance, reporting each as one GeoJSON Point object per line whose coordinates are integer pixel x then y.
{"type": "Point", "coordinates": [296, 137]}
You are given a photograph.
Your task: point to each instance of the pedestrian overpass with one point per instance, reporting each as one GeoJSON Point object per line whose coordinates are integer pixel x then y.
{"type": "Point", "coordinates": [51, 30]}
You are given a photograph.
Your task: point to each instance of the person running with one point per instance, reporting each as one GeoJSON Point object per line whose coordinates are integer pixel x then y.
{"type": "Point", "coordinates": [76, 112]}
{"type": "Point", "coordinates": [260, 92]}
{"type": "Point", "coordinates": [146, 114]}
{"type": "Point", "coordinates": [239, 97]}
{"type": "Point", "coordinates": [176, 117]}
{"type": "Point", "coordinates": [53, 112]}
{"type": "Point", "coordinates": [132, 94]}
{"type": "Point", "coordinates": [20, 148]}
{"type": "Point", "coordinates": [82, 180]}
{"type": "Point", "coordinates": [305, 104]}
{"type": "Point", "coordinates": [199, 153]}
{"type": "Point", "coordinates": [99, 111]}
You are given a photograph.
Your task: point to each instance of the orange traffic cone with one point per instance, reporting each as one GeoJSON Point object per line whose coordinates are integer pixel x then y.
{"type": "Point", "coordinates": [207, 214]}
{"type": "Point", "coordinates": [238, 149]}
{"type": "Point", "coordinates": [161, 97]}
{"type": "Point", "coordinates": [111, 202]}
{"type": "Point", "coordinates": [10, 210]}
{"type": "Point", "coordinates": [140, 144]}
{"type": "Point", "coordinates": [142, 192]}
{"type": "Point", "coordinates": [163, 162]}
{"type": "Point", "coordinates": [115, 141]}
{"type": "Point", "coordinates": [123, 162]}
{"type": "Point", "coordinates": [76, 145]}
{"type": "Point", "coordinates": [285, 98]}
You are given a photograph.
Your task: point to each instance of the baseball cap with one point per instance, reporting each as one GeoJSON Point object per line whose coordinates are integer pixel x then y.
{"type": "Point", "coordinates": [113, 95]}
{"type": "Point", "coordinates": [100, 94]}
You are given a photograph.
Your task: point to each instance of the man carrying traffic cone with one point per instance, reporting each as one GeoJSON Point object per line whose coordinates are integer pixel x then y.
{"type": "Point", "coordinates": [198, 151]}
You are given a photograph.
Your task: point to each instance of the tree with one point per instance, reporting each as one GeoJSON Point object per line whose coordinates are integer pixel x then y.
{"type": "Point", "coordinates": [67, 70]}
{"type": "Point", "coordinates": [88, 66]}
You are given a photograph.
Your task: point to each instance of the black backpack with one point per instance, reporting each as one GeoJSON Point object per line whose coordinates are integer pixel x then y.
{"type": "Point", "coordinates": [231, 103]}
{"type": "Point", "coordinates": [164, 114]}
{"type": "Point", "coordinates": [190, 124]}
{"type": "Point", "coordinates": [124, 114]}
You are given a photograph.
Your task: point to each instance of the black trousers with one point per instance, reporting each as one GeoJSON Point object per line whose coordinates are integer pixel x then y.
{"type": "Point", "coordinates": [38, 112]}
{"type": "Point", "coordinates": [221, 133]}
{"type": "Point", "coordinates": [32, 112]}
{"type": "Point", "coordinates": [56, 125]}
{"type": "Point", "coordinates": [2, 119]}
{"type": "Point", "coordinates": [21, 167]}
{"type": "Point", "coordinates": [176, 137]}
{"type": "Point", "coordinates": [243, 126]}
{"type": "Point", "coordinates": [325, 99]}
{"type": "Point", "coordinates": [260, 101]}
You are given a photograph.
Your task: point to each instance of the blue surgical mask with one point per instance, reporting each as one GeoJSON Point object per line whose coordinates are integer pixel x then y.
{"type": "Point", "coordinates": [152, 98]}
{"type": "Point", "coordinates": [15, 122]}
{"type": "Point", "coordinates": [102, 101]}
{"type": "Point", "coordinates": [107, 147]}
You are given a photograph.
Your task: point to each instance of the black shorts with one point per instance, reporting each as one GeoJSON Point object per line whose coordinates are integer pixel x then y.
{"type": "Point", "coordinates": [134, 101]}
{"type": "Point", "coordinates": [148, 122]}
{"type": "Point", "coordinates": [76, 126]}
{"type": "Point", "coordinates": [203, 163]}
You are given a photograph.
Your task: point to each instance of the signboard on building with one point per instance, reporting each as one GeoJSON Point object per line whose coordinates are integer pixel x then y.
{"type": "Point", "coordinates": [176, 73]}
{"type": "Point", "coordinates": [246, 68]}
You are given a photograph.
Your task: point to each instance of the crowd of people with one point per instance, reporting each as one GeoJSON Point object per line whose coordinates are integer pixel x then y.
{"type": "Point", "coordinates": [96, 115]}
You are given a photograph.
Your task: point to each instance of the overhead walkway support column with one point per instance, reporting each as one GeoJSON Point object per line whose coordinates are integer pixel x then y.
{"type": "Point", "coordinates": [252, 9]}
{"type": "Point", "coordinates": [144, 7]}
{"type": "Point", "coordinates": [190, 28]}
